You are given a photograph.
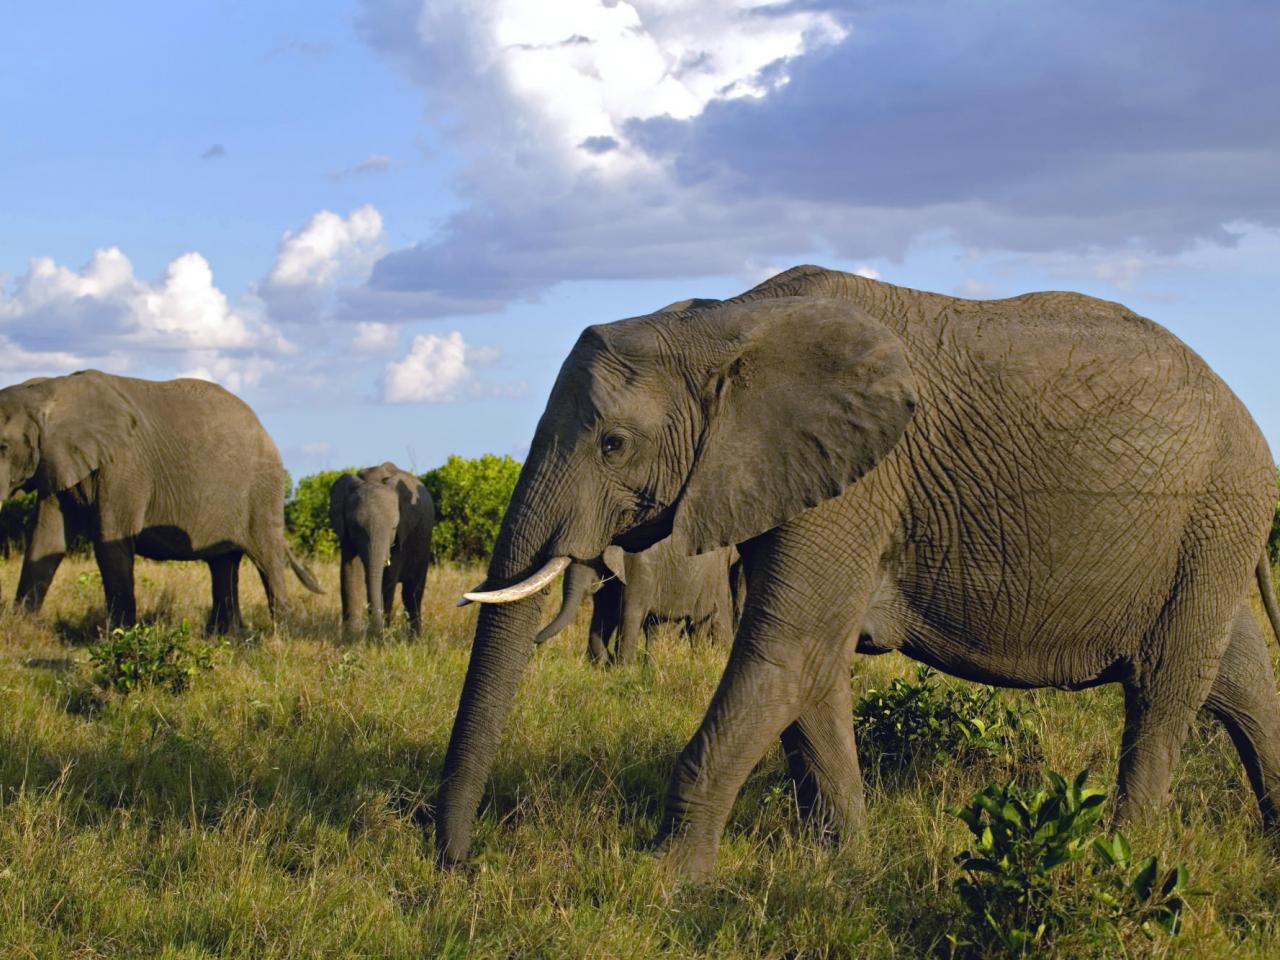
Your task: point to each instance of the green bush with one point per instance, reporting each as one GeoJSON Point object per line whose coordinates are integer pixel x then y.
{"type": "Point", "coordinates": [17, 517]}
{"type": "Point", "coordinates": [306, 514]}
{"type": "Point", "coordinates": [148, 654]}
{"type": "Point", "coordinates": [926, 721]}
{"type": "Point", "coordinates": [1273, 541]}
{"type": "Point", "coordinates": [1026, 889]}
{"type": "Point", "coordinates": [471, 497]}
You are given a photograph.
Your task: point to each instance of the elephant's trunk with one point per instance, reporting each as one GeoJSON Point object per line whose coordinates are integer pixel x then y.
{"type": "Point", "coordinates": [501, 651]}
{"type": "Point", "coordinates": [375, 563]}
{"type": "Point", "coordinates": [577, 581]}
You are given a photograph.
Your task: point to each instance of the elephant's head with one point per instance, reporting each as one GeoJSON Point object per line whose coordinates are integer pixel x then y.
{"type": "Point", "coordinates": [365, 514]}
{"type": "Point", "coordinates": [55, 431]}
{"type": "Point", "coordinates": [710, 425]}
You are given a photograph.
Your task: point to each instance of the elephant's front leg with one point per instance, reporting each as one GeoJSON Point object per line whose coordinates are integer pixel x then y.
{"type": "Point", "coordinates": [390, 578]}
{"type": "Point", "coordinates": [115, 562]}
{"type": "Point", "coordinates": [44, 553]}
{"type": "Point", "coordinates": [822, 758]}
{"type": "Point", "coordinates": [789, 661]}
{"type": "Point", "coordinates": [354, 601]}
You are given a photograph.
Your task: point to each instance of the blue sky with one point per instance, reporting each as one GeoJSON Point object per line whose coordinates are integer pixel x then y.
{"type": "Point", "coordinates": [384, 222]}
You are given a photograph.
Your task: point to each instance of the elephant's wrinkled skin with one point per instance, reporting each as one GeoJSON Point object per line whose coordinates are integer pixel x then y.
{"type": "Point", "coordinates": [644, 589]}
{"type": "Point", "coordinates": [383, 518]}
{"type": "Point", "coordinates": [170, 470]}
{"type": "Point", "coordinates": [1047, 490]}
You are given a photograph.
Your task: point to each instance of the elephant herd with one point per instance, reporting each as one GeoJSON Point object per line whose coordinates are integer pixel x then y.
{"type": "Point", "coordinates": [183, 470]}
{"type": "Point", "coordinates": [1047, 490]}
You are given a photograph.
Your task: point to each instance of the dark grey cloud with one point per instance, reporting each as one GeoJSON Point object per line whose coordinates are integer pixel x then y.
{"type": "Point", "coordinates": [1011, 126]}
{"type": "Point", "coordinates": [1148, 120]}
{"type": "Point", "coordinates": [599, 145]}
{"type": "Point", "coordinates": [215, 152]}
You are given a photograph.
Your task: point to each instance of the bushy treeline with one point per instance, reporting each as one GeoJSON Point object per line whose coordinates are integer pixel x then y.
{"type": "Point", "coordinates": [470, 495]}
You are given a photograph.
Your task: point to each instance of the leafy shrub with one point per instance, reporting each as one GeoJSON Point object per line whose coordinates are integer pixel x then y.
{"type": "Point", "coordinates": [910, 722]}
{"type": "Point", "coordinates": [17, 517]}
{"type": "Point", "coordinates": [1026, 889]}
{"type": "Point", "coordinates": [148, 654]}
{"type": "Point", "coordinates": [306, 514]}
{"type": "Point", "coordinates": [471, 497]}
{"type": "Point", "coordinates": [1273, 541]}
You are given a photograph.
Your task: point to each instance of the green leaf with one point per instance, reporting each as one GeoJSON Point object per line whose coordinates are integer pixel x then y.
{"type": "Point", "coordinates": [1145, 879]}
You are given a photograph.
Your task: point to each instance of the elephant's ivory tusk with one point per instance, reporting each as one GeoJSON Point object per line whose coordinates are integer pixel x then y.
{"type": "Point", "coordinates": [518, 591]}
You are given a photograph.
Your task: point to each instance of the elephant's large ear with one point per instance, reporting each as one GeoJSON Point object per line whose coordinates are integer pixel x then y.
{"type": "Point", "coordinates": [338, 494]}
{"type": "Point", "coordinates": [615, 559]}
{"type": "Point", "coordinates": [806, 396]}
{"type": "Point", "coordinates": [86, 421]}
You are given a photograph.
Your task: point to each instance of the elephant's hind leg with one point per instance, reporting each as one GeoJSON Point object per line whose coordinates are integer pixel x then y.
{"type": "Point", "coordinates": [822, 757]}
{"type": "Point", "coordinates": [271, 570]}
{"type": "Point", "coordinates": [1244, 698]}
{"type": "Point", "coordinates": [1170, 682]}
{"type": "Point", "coordinates": [115, 563]}
{"type": "Point", "coordinates": [224, 573]}
{"type": "Point", "coordinates": [411, 593]}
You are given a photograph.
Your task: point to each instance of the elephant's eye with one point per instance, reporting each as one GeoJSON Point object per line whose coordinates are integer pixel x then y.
{"type": "Point", "coordinates": [613, 444]}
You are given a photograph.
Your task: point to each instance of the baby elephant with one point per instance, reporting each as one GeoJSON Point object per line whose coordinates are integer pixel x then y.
{"type": "Point", "coordinates": [653, 586]}
{"type": "Point", "coordinates": [383, 518]}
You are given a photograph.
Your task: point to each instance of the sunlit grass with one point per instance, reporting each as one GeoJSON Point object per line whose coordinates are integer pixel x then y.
{"type": "Point", "coordinates": [275, 808]}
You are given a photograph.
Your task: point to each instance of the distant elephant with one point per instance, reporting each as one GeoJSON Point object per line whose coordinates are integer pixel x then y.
{"type": "Point", "coordinates": [169, 470]}
{"type": "Point", "coordinates": [383, 517]}
{"type": "Point", "coordinates": [645, 589]}
{"type": "Point", "coordinates": [1047, 490]}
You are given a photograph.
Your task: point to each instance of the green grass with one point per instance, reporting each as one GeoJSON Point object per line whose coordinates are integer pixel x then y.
{"type": "Point", "coordinates": [272, 810]}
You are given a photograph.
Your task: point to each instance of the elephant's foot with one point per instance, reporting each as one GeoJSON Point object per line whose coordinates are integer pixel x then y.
{"type": "Point", "coordinates": [683, 854]}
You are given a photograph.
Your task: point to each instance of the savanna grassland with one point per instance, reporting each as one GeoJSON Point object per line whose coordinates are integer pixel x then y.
{"type": "Point", "coordinates": [274, 808]}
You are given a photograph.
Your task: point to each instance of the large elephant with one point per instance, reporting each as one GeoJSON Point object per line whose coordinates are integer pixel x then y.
{"type": "Point", "coordinates": [1047, 490]}
{"type": "Point", "coordinates": [383, 517]}
{"type": "Point", "coordinates": [644, 589]}
{"type": "Point", "coordinates": [170, 470]}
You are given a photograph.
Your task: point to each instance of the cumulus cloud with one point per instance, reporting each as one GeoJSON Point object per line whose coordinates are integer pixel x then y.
{"type": "Point", "coordinates": [646, 138]}
{"type": "Point", "coordinates": [328, 246]}
{"type": "Point", "coordinates": [570, 75]}
{"type": "Point", "coordinates": [105, 304]}
{"type": "Point", "coordinates": [434, 370]}
{"type": "Point", "coordinates": [373, 337]}
{"type": "Point", "coordinates": [111, 318]}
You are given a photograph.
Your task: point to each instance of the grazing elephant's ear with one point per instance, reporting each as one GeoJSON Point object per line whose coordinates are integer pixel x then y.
{"type": "Point", "coordinates": [615, 559]}
{"type": "Point", "coordinates": [338, 494]}
{"type": "Point", "coordinates": [806, 397]}
{"type": "Point", "coordinates": [86, 420]}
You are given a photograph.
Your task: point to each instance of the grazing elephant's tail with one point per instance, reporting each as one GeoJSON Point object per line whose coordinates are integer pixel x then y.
{"type": "Point", "coordinates": [307, 577]}
{"type": "Point", "coordinates": [1268, 594]}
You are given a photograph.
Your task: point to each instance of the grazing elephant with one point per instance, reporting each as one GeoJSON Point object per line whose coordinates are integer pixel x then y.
{"type": "Point", "coordinates": [647, 588]}
{"type": "Point", "coordinates": [383, 518]}
{"type": "Point", "coordinates": [1047, 490]}
{"type": "Point", "coordinates": [169, 470]}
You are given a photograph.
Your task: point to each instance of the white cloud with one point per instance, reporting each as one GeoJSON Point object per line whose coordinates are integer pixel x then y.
{"type": "Point", "coordinates": [579, 70]}
{"type": "Point", "coordinates": [236, 373]}
{"type": "Point", "coordinates": [375, 337]}
{"type": "Point", "coordinates": [104, 303]}
{"type": "Point", "coordinates": [328, 248]}
{"type": "Point", "coordinates": [433, 371]}
{"type": "Point", "coordinates": [864, 270]}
